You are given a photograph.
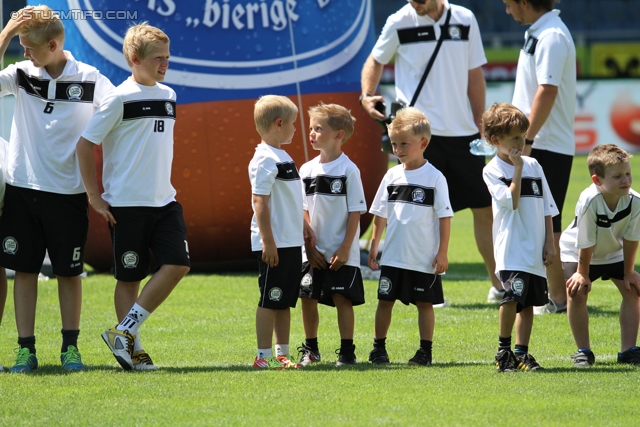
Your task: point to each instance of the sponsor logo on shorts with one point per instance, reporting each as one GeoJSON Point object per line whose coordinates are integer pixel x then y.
{"type": "Point", "coordinates": [306, 282]}
{"type": "Point", "coordinates": [418, 195]}
{"type": "Point", "coordinates": [418, 289]}
{"type": "Point", "coordinates": [77, 264]}
{"type": "Point", "coordinates": [384, 287]}
{"type": "Point", "coordinates": [130, 259]}
{"type": "Point", "coordinates": [535, 188]}
{"type": "Point", "coordinates": [336, 186]}
{"type": "Point", "coordinates": [10, 245]}
{"type": "Point", "coordinates": [74, 92]}
{"type": "Point", "coordinates": [275, 294]}
{"type": "Point", "coordinates": [517, 286]}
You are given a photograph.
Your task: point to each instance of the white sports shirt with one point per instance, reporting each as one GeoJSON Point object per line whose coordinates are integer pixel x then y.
{"type": "Point", "coordinates": [549, 57]}
{"type": "Point", "coordinates": [412, 39]}
{"type": "Point", "coordinates": [333, 190]}
{"type": "Point", "coordinates": [519, 235]}
{"type": "Point", "coordinates": [273, 173]}
{"type": "Point", "coordinates": [50, 114]}
{"type": "Point", "coordinates": [135, 125]}
{"type": "Point", "coordinates": [412, 202]}
{"type": "Point", "coordinates": [596, 225]}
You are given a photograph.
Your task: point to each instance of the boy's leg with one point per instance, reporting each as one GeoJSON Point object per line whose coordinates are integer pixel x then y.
{"type": "Point", "coordinates": [3, 291]}
{"type": "Point", "coordinates": [25, 296]}
{"type": "Point", "coordinates": [426, 320]}
{"type": "Point", "coordinates": [346, 318]}
{"type": "Point", "coordinates": [310, 317]}
{"type": "Point", "coordinates": [282, 328]}
{"type": "Point", "coordinates": [629, 316]}
{"type": "Point", "coordinates": [524, 325]}
{"type": "Point", "coordinates": [578, 317]}
{"type": "Point", "coordinates": [507, 317]}
{"type": "Point", "coordinates": [383, 318]}
{"type": "Point", "coordinates": [265, 325]}
{"type": "Point", "coordinates": [124, 296]}
{"type": "Point", "coordinates": [70, 297]}
{"type": "Point", "coordinates": [160, 286]}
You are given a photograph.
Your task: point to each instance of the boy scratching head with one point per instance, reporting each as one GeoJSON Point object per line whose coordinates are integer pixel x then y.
{"type": "Point", "coordinates": [610, 169]}
{"type": "Point", "coordinates": [504, 126]}
{"type": "Point", "coordinates": [410, 132]}
{"type": "Point", "coordinates": [146, 49]}
{"type": "Point", "coordinates": [41, 34]}
{"type": "Point", "coordinates": [275, 118]}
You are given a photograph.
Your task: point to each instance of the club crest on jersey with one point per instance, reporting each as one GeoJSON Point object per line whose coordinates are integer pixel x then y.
{"type": "Point", "coordinates": [306, 282]}
{"type": "Point", "coordinates": [517, 286]}
{"type": "Point", "coordinates": [130, 259]}
{"type": "Point", "coordinates": [384, 287]}
{"type": "Point", "coordinates": [454, 32]}
{"type": "Point", "coordinates": [336, 186]}
{"type": "Point", "coordinates": [535, 188]}
{"type": "Point", "coordinates": [75, 92]}
{"type": "Point", "coordinates": [418, 195]}
{"type": "Point", "coordinates": [275, 294]}
{"type": "Point", "coordinates": [10, 245]}
{"type": "Point", "coordinates": [169, 108]}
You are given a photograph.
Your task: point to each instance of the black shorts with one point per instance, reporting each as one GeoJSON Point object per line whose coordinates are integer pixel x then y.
{"type": "Point", "coordinates": [557, 170]}
{"type": "Point", "coordinates": [463, 171]}
{"type": "Point", "coordinates": [279, 286]}
{"type": "Point", "coordinates": [409, 286]}
{"type": "Point", "coordinates": [140, 229]}
{"type": "Point", "coordinates": [321, 284]}
{"type": "Point", "coordinates": [35, 222]}
{"type": "Point", "coordinates": [524, 288]}
{"type": "Point", "coordinates": [596, 271]}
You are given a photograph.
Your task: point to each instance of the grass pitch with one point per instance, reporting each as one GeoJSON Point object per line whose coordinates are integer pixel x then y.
{"type": "Point", "coordinates": [204, 342]}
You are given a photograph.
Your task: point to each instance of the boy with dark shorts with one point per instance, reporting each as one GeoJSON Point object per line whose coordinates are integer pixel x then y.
{"type": "Point", "coordinates": [46, 204]}
{"type": "Point", "coordinates": [602, 243]}
{"type": "Point", "coordinates": [413, 203]}
{"type": "Point", "coordinates": [276, 228]}
{"type": "Point", "coordinates": [135, 124]}
{"type": "Point", "coordinates": [334, 200]}
{"type": "Point", "coordinates": [522, 231]}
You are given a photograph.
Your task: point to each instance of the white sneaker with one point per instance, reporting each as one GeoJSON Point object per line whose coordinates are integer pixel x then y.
{"type": "Point", "coordinates": [121, 345]}
{"type": "Point", "coordinates": [550, 308]}
{"type": "Point", "coordinates": [444, 304]}
{"type": "Point", "coordinates": [142, 361]}
{"type": "Point", "coordinates": [495, 295]}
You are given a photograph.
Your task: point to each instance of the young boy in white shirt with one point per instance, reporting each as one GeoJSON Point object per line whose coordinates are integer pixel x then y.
{"type": "Point", "coordinates": [522, 231]}
{"type": "Point", "coordinates": [602, 242]}
{"type": "Point", "coordinates": [413, 203]}
{"type": "Point", "coordinates": [333, 202]}
{"type": "Point", "coordinates": [135, 126]}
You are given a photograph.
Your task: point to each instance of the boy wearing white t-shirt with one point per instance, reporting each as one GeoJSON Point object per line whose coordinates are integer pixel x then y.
{"type": "Point", "coordinates": [135, 125]}
{"type": "Point", "coordinates": [602, 243]}
{"type": "Point", "coordinates": [46, 204]}
{"type": "Point", "coordinates": [333, 202]}
{"type": "Point", "coordinates": [522, 231]}
{"type": "Point", "coordinates": [276, 229]}
{"type": "Point", "coordinates": [413, 203]}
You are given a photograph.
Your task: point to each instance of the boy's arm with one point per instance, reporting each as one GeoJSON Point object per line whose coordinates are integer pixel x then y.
{"type": "Point", "coordinates": [516, 182]}
{"type": "Point", "coordinates": [341, 256]}
{"type": "Point", "coordinates": [316, 259]}
{"type": "Point", "coordinates": [579, 281]}
{"type": "Point", "coordinates": [379, 224]}
{"type": "Point", "coordinates": [86, 161]}
{"type": "Point", "coordinates": [441, 262]}
{"type": "Point", "coordinates": [631, 277]}
{"type": "Point", "coordinates": [549, 254]}
{"type": "Point", "coordinates": [263, 218]}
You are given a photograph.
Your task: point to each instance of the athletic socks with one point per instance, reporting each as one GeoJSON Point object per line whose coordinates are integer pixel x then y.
{"type": "Point", "coordinates": [132, 321]}
{"type": "Point", "coordinates": [282, 350]}
{"type": "Point", "coordinates": [426, 345]}
{"type": "Point", "coordinates": [346, 345]}
{"type": "Point", "coordinates": [504, 343]}
{"type": "Point", "coordinates": [263, 353]}
{"type": "Point", "coordinates": [312, 343]}
{"type": "Point", "coordinates": [380, 343]}
{"type": "Point", "coordinates": [69, 337]}
{"type": "Point", "coordinates": [28, 342]}
{"type": "Point", "coordinates": [521, 349]}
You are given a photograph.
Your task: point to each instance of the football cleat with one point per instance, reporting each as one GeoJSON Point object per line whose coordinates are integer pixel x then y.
{"type": "Point", "coordinates": [421, 358]}
{"type": "Point", "coordinates": [307, 355]}
{"type": "Point", "coordinates": [71, 360]}
{"type": "Point", "coordinates": [121, 345]}
{"type": "Point", "coordinates": [526, 362]}
{"type": "Point", "coordinates": [267, 363]}
{"type": "Point", "coordinates": [379, 356]}
{"type": "Point", "coordinates": [505, 361]}
{"type": "Point", "coordinates": [142, 361]}
{"type": "Point", "coordinates": [25, 361]}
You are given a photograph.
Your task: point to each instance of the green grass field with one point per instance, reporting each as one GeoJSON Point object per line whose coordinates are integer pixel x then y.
{"type": "Point", "coordinates": [203, 340]}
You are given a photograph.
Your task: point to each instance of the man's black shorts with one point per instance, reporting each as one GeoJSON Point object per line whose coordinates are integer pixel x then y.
{"type": "Point", "coordinates": [280, 285]}
{"type": "Point", "coordinates": [35, 222]}
{"type": "Point", "coordinates": [524, 288]}
{"type": "Point", "coordinates": [557, 171]}
{"type": "Point", "coordinates": [140, 229]}
{"type": "Point", "coordinates": [409, 286]}
{"type": "Point", "coordinates": [321, 284]}
{"type": "Point", "coordinates": [463, 171]}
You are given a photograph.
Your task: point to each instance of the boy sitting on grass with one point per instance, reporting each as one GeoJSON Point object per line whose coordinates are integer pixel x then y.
{"type": "Point", "coordinates": [602, 243]}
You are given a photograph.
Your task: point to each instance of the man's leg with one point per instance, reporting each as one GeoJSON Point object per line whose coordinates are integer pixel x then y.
{"type": "Point", "coordinates": [482, 228]}
{"type": "Point", "coordinates": [555, 278]}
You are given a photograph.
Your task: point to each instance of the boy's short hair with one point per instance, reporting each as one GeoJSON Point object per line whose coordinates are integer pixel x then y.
{"type": "Point", "coordinates": [43, 26]}
{"type": "Point", "coordinates": [541, 5]}
{"type": "Point", "coordinates": [337, 117]}
{"type": "Point", "coordinates": [269, 108]}
{"type": "Point", "coordinates": [410, 119]}
{"type": "Point", "coordinates": [604, 156]}
{"type": "Point", "coordinates": [140, 39]}
{"type": "Point", "coordinates": [502, 118]}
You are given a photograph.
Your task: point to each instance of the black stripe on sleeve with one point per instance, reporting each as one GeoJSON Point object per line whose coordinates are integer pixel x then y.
{"type": "Point", "coordinates": [146, 108]}
{"type": "Point", "coordinates": [413, 194]}
{"type": "Point", "coordinates": [287, 171]}
{"type": "Point", "coordinates": [326, 185]}
{"type": "Point", "coordinates": [33, 85]}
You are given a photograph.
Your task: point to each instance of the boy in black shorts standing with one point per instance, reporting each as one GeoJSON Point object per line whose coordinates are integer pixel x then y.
{"type": "Point", "coordinates": [135, 124]}
{"type": "Point", "coordinates": [46, 204]}
{"type": "Point", "coordinates": [276, 228]}
{"type": "Point", "coordinates": [602, 243]}
{"type": "Point", "coordinates": [334, 200]}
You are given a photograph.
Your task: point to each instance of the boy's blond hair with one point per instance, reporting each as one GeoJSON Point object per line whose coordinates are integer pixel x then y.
{"type": "Point", "coordinates": [604, 156]}
{"type": "Point", "coordinates": [43, 26]}
{"type": "Point", "coordinates": [269, 108]}
{"type": "Point", "coordinates": [502, 118]}
{"type": "Point", "coordinates": [336, 116]}
{"type": "Point", "coordinates": [410, 119]}
{"type": "Point", "coordinates": [140, 39]}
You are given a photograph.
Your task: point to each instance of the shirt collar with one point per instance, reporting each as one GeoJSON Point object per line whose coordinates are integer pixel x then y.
{"type": "Point", "coordinates": [543, 20]}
